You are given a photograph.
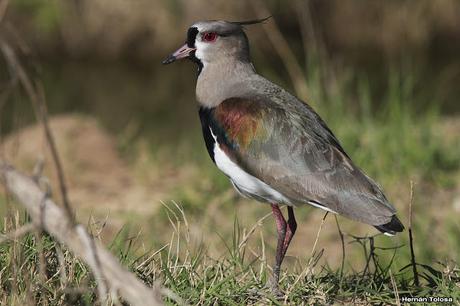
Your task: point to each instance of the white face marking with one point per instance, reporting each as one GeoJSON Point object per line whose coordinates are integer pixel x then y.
{"type": "Point", "coordinates": [201, 49]}
{"type": "Point", "coordinates": [244, 180]}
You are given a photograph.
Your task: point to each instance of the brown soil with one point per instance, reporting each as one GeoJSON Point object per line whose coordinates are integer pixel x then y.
{"type": "Point", "coordinates": [99, 180]}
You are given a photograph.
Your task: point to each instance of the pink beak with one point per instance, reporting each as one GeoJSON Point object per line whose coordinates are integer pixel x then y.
{"type": "Point", "coordinates": [182, 52]}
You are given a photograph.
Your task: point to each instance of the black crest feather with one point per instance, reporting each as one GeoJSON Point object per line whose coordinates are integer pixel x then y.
{"type": "Point", "coordinates": [248, 22]}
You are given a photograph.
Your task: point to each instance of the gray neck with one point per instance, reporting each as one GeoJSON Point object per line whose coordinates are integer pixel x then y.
{"type": "Point", "coordinates": [223, 79]}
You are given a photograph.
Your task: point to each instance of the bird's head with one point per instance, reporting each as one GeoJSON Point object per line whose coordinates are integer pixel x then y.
{"type": "Point", "coordinates": [211, 41]}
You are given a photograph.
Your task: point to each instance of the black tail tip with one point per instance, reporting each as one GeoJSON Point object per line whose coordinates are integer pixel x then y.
{"type": "Point", "coordinates": [392, 227]}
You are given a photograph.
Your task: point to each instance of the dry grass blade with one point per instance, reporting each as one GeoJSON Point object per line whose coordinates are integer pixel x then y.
{"type": "Point", "coordinates": [246, 236]}
{"type": "Point", "coordinates": [395, 289]}
{"type": "Point", "coordinates": [284, 51]}
{"type": "Point", "coordinates": [17, 233]}
{"type": "Point", "coordinates": [317, 237]}
{"type": "Point", "coordinates": [311, 261]}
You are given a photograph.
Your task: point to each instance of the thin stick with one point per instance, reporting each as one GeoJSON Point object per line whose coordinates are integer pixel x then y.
{"type": "Point", "coordinates": [368, 258]}
{"type": "Point", "coordinates": [411, 243]}
{"type": "Point", "coordinates": [36, 96]}
{"type": "Point", "coordinates": [94, 263]}
{"type": "Point", "coordinates": [343, 248]}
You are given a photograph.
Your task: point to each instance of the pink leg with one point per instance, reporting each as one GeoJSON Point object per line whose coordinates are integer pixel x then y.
{"type": "Point", "coordinates": [281, 228]}
{"type": "Point", "coordinates": [290, 229]}
{"type": "Point", "coordinates": [285, 233]}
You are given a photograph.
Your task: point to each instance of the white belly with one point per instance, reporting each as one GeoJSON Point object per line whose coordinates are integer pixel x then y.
{"type": "Point", "coordinates": [245, 182]}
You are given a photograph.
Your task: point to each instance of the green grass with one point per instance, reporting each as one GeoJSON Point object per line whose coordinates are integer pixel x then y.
{"type": "Point", "coordinates": [238, 276]}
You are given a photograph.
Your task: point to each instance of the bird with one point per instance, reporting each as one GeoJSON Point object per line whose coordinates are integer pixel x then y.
{"type": "Point", "coordinates": [273, 147]}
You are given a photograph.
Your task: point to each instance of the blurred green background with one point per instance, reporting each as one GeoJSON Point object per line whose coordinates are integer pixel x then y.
{"type": "Point", "coordinates": [384, 75]}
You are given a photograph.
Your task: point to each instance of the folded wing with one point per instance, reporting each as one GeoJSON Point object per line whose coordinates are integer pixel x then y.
{"type": "Point", "coordinates": [289, 147]}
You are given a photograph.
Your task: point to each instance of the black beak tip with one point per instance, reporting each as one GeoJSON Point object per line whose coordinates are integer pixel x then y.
{"type": "Point", "coordinates": [169, 60]}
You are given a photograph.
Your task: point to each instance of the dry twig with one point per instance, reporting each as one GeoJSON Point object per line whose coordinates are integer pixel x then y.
{"type": "Point", "coordinates": [411, 243]}
{"type": "Point", "coordinates": [36, 96]}
{"type": "Point", "coordinates": [58, 224]}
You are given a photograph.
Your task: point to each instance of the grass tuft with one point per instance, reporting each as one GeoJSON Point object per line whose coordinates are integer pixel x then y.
{"type": "Point", "coordinates": [238, 276]}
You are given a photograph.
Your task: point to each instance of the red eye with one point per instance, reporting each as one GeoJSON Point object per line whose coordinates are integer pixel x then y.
{"type": "Point", "coordinates": [209, 37]}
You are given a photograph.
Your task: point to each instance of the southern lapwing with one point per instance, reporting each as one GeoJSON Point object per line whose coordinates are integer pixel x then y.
{"type": "Point", "coordinates": [273, 147]}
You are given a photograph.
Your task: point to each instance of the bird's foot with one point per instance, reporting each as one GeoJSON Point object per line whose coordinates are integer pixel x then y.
{"type": "Point", "coordinates": [273, 286]}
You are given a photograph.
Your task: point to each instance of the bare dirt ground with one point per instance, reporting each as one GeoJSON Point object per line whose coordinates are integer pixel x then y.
{"type": "Point", "coordinates": [99, 181]}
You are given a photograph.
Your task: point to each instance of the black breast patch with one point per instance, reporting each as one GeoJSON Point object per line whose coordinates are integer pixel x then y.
{"type": "Point", "coordinates": [208, 124]}
{"type": "Point", "coordinates": [206, 119]}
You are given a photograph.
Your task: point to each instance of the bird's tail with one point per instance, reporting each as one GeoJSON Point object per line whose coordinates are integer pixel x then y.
{"type": "Point", "coordinates": [392, 227]}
